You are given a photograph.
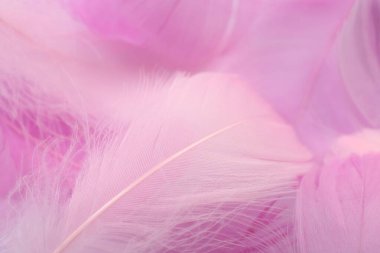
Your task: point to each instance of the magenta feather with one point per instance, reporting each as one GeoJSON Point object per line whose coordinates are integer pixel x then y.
{"type": "Point", "coordinates": [338, 206]}
{"type": "Point", "coordinates": [264, 147]}
{"type": "Point", "coordinates": [290, 56]}
{"type": "Point", "coordinates": [359, 59]}
{"type": "Point", "coordinates": [173, 30]}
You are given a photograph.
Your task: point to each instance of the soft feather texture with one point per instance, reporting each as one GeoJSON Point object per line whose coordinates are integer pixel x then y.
{"type": "Point", "coordinates": [288, 50]}
{"type": "Point", "coordinates": [290, 56]}
{"type": "Point", "coordinates": [338, 206]}
{"type": "Point", "coordinates": [31, 121]}
{"type": "Point", "coordinates": [196, 171]}
{"type": "Point", "coordinates": [42, 44]}
{"type": "Point", "coordinates": [202, 163]}
{"type": "Point", "coordinates": [179, 32]}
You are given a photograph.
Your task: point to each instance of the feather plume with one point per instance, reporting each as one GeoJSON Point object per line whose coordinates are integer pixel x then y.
{"type": "Point", "coordinates": [206, 167]}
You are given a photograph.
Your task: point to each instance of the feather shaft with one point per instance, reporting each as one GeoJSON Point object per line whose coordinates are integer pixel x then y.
{"type": "Point", "coordinates": [61, 248]}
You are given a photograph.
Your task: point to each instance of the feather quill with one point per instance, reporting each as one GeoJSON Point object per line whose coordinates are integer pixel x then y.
{"type": "Point", "coordinates": [207, 167]}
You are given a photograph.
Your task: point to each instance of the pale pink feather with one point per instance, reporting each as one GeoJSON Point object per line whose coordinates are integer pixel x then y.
{"type": "Point", "coordinates": [197, 170]}
{"type": "Point", "coordinates": [202, 163]}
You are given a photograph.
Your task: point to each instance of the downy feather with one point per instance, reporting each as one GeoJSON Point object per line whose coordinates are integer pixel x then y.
{"type": "Point", "coordinates": [206, 167]}
{"type": "Point", "coordinates": [32, 121]}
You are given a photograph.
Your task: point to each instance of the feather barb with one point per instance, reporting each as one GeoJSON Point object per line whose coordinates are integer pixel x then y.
{"type": "Point", "coordinates": [69, 239]}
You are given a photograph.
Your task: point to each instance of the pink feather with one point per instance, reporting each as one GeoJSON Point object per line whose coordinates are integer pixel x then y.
{"type": "Point", "coordinates": [291, 57]}
{"type": "Point", "coordinates": [197, 171]}
{"type": "Point", "coordinates": [30, 119]}
{"type": "Point", "coordinates": [338, 205]}
{"type": "Point", "coordinates": [105, 147]}
{"type": "Point", "coordinates": [179, 32]}
{"type": "Point", "coordinates": [359, 60]}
